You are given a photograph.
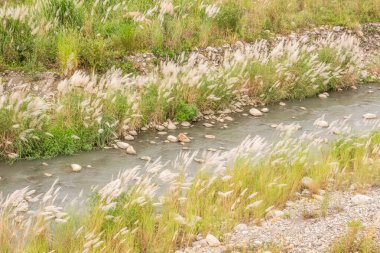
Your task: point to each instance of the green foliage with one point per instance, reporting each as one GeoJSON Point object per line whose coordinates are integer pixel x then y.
{"type": "Point", "coordinates": [185, 112]}
{"type": "Point", "coordinates": [16, 42]}
{"type": "Point", "coordinates": [229, 16]}
{"type": "Point", "coordinates": [64, 12]}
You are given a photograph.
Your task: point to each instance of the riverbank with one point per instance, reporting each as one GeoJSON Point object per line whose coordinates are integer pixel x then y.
{"type": "Point", "coordinates": [66, 35]}
{"type": "Point", "coordinates": [88, 111]}
{"type": "Point", "coordinates": [248, 183]}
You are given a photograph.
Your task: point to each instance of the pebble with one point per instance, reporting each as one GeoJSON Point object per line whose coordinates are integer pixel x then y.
{"type": "Point", "coordinates": [183, 138]}
{"type": "Point", "coordinates": [171, 125]}
{"type": "Point", "coordinates": [209, 136]}
{"type": "Point", "coordinates": [199, 160]}
{"type": "Point", "coordinates": [207, 124]}
{"type": "Point", "coordinates": [129, 137]}
{"type": "Point", "coordinates": [133, 132]}
{"type": "Point", "coordinates": [76, 167]}
{"type": "Point", "coordinates": [265, 110]}
{"type": "Point", "coordinates": [321, 124]}
{"type": "Point", "coordinates": [48, 174]}
{"type": "Point", "coordinates": [359, 199]}
{"type": "Point", "coordinates": [185, 124]}
{"type": "Point", "coordinates": [369, 116]}
{"type": "Point", "coordinates": [241, 227]}
{"type": "Point", "coordinates": [282, 104]}
{"type": "Point", "coordinates": [131, 150]}
{"type": "Point", "coordinates": [323, 96]}
{"type": "Point", "coordinates": [45, 164]}
{"type": "Point", "coordinates": [172, 138]}
{"type": "Point", "coordinates": [307, 183]}
{"type": "Point", "coordinates": [212, 240]}
{"type": "Point", "coordinates": [122, 145]}
{"type": "Point", "coordinates": [160, 128]}
{"type": "Point", "coordinates": [255, 112]}
{"type": "Point", "coordinates": [162, 133]}
{"type": "Point", "coordinates": [146, 158]}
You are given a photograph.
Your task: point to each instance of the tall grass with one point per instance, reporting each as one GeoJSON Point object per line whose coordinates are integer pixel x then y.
{"type": "Point", "coordinates": [244, 184]}
{"type": "Point", "coordinates": [86, 111]}
{"type": "Point", "coordinates": [165, 27]}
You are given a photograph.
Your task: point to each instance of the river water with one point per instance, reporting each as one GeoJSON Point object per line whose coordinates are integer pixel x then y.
{"type": "Point", "coordinates": [107, 163]}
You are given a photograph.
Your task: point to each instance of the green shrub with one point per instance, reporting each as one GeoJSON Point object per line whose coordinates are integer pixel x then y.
{"type": "Point", "coordinates": [64, 12]}
{"type": "Point", "coordinates": [186, 112]}
{"type": "Point", "coordinates": [16, 42]}
{"type": "Point", "coordinates": [229, 16]}
{"type": "Point", "coordinates": [68, 52]}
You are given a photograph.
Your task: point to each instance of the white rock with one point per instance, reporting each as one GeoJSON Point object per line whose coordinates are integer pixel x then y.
{"type": "Point", "coordinates": [212, 240]}
{"type": "Point", "coordinates": [241, 227]}
{"type": "Point", "coordinates": [48, 174]}
{"type": "Point", "coordinates": [122, 145]}
{"type": "Point", "coordinates": [185, 124]}
{"type": "Point", "coordinates": [307, 183]}
{"type": "Point", "coordinates": [160, 127]}
{"type": "Point", "coordinates": [274, 214]}
{"type": "Point", "coordinates": [360, 199]}
{"type": "Point", "coordinates": [129, 137]}
{"type": "Point", "coordinates": [172, 138]}
{"type": "Point", "coordinates": [209, 136]}
{"type": "Point", "coordinates": [131, 150]}
{"type": "Point", "coordinates": [171, 125]}
{"type": "Point", "coordinates": [76, 167]}
{"type": "Point", "coordinates": [146, 158]}
{"type": "Point", "coordinates": [207, 124]}
{"type": "Point", "coordinates": [369, 116]}
{"type": "Point", "coordinates": [323, 96]}
{"type": "Point", "coordinates": [229, 118]}
{"type": "Point", "coordinates": [321, 123]}
{"type": "Point", "coordinates": [133, 132]}
{"type": "Point", "coordinates": [12, 155]}
{"type": "Point", "coordinates": [265, 110]}
{"type": "Point", "coordinates": [255, 112]}
{"type": "Point", "coordinates": [282, 104]}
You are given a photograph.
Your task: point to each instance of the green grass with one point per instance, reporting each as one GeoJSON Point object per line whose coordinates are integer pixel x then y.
{"type": "Point", "coordinates": [107, 28]}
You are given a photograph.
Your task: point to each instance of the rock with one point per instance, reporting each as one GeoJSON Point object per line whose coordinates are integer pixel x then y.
{"type": "Point", "coordinates": [241, 227]}
{"type": "Point", "coordinates": [76, 167]}
{"type": "Point", "coordinates": [212, 240]}
{"type": "Point", "coordinates": [183, 138]}
{"type": "Point", "coordinates": [199, 160]}
{"type": "Point", "coordinates": [229, 118]}
{"type": "Point", "coordinates": [209, 136]}
{"type": "Point", "coordinates": [171, 125]}
{"type": "Point", "coordinates": [12, 155]}
{"type": "Point", "coordinates": [207, 124]}
{"type": "Point", "coordinates": [272, 214]}
{"type": "Point", "coordinates": [133, 132]}
{"type": "Point", "coordinates": [255, 112]}
{"type": "Point", "coordinates": [323, 96]}
{"type": "Point", "coordinates": [45, 164]}
{"type": "Point", "coordinates": [129, 137]}
{"type": "Point", "coordinates": [48, 174]}
{"type": "Point", "coordinates": [162, 133]}
{"type": "Point", "coordinates": [369, 116]}
{"type": "Point", "coordinates": [265, 110]}
{"type": "Point", "coordinates": [146, 158]}
{"type": "Point", "coordinates": [185, 124]}
{"type": "Point", "coordinates": [160, 128]}
{"type": "Point", "coordinates": [122, 145]}
{"type": "Point", "coordinates": [172, 138]}
{"type": "Point", "coordinates": [307, 183]}
{"type": "Point", "coordinates": [321, 123]}
{"type": "Point", "coordinates": [131, 150]}
{"type": "Point", "coordinates": [282, 104]}
{"type": "Point", "coordinates": [360, 199]}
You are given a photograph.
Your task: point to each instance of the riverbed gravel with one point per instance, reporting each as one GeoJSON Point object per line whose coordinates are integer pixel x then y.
{"type": "Point", "coordinates": [309, 224]}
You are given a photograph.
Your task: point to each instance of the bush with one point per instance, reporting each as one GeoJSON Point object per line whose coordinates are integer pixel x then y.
{"type": "Point", "coordinates": [65, 12]}
{"type": "Point", "coordinates": [229, 17]}
{"type": "Point", "coordinates": [68, 51]}
{"type": "Point", "coordinates": [16, 42]}
{"type": "Point", "coordinates": [186, 112]}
